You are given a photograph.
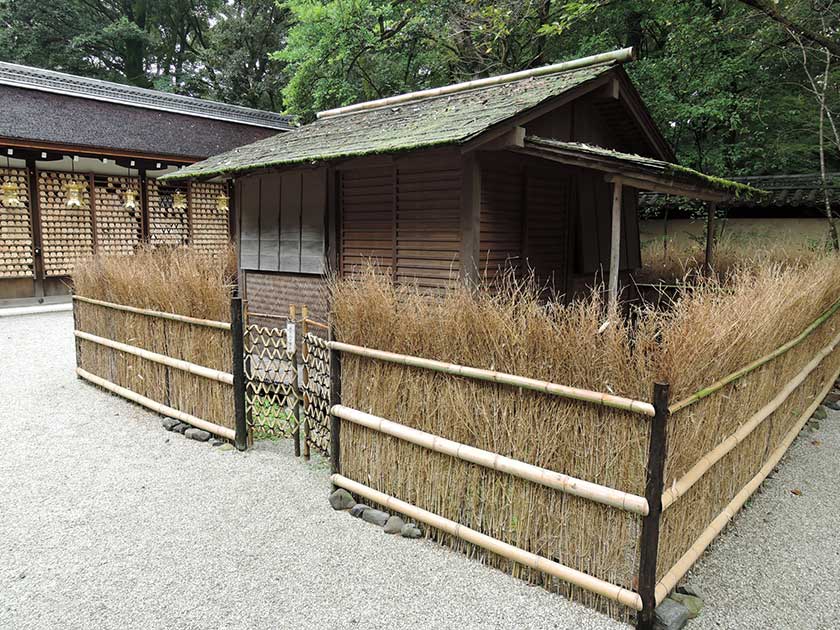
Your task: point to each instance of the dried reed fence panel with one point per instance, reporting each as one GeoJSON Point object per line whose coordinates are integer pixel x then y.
{"type": "Point", "coordinates": [587, 536]}
{"type": "Point", "coordinates": [694, 337]}
{"type": "Point", "coordinates": [198, 396]}
{"type": "Point", "coordinates": [711, 420]}
{"type": "Point", "coordinates": [182, 281]}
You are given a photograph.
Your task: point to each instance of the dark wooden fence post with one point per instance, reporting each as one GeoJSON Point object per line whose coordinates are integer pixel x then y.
{"type": "Point", "coordinates": [76, 326]}
{"type": "Point", "coordinates": [649, 544]}
{"type": "Point", "coordinates": [335, 399]}
{"type": "Point", "coordinates": [237, 335]}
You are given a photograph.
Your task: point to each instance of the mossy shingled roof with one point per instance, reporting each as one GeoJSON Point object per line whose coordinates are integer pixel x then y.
{"type": "Point", "coordinates": [628, 163]}
{"type": "Point", "coordinates": [450, 119]}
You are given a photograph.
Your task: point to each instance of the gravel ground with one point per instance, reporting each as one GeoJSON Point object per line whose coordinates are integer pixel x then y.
{"type": "Point", "coordinates": [108, 521]}
{"type": "Point", "coordinates": [778, 565]}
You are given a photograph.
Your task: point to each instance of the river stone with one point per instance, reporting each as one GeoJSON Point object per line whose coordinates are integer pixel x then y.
{"type": "Point", "coordinates": [375, 517]}
{"type": "Point", "coordinates": [358, 509]}
{"type": "Point", "coordinates": [410, 530]}
{"type": "Point", "coordinates": [834, 405]}
{"type": "Point", "coordinates": [670, 615]}
{"type": "Point", "coordinates": [394, 525]}
{"type": "Point", "coordinates": [199, 435]}
{"type": "Point", "coordinates": [170, 423]}
{"type": "Point", "coordinates": [181, 428]}
{"type": "Point", "coordinates": [341, 500]}
{"type": "Point", "coordinates": [227, 446]}
{"type": "Point", "coordinates": [820, 413]}
{"type": "Point", "coordinates": [691, 589]}
{"type": "Point", "coordinates": [693, 603]}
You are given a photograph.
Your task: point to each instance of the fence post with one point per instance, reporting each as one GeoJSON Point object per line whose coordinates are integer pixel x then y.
{"type": "Point", "coordinates": [291, 349]}
{"type": "Point", "coordinates": [76, 326]}
{"type": "Point", "coordinates": [304, 378]}
{"type": "Point", "coordinates": [649, 543]}
{"type": "Point", "coordinates": [237, 335]}
{"type": "Point", "coordinates": [335, 399]}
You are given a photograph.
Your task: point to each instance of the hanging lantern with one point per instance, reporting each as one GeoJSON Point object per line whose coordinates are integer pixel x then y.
{"type": "Point", "coordinates": [74, 195]}
{"type": "Point", "coordinates": [130, 201]}
{"type": "Point", "coordinates": [9, 195]}
{"type": "Point", "coordinates": [222, 203]}
{"type": "Point", "coordinates": [179, 201]}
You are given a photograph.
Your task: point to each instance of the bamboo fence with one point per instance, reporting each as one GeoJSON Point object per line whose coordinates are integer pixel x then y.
{"type": "Point", "coordinates": [175, 365]}
{"type": "Point", "coordinates": [593, 519]}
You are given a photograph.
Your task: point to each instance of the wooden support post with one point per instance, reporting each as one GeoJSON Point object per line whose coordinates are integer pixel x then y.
{"type": "Point", "coordinates": [37, 238]}
{"type": "Point", "coordinates": [335, 399]}
{"type": "Point", "coordinates": [144, 206]}
{"type": "Point", "coordinates": [304, 353]}
{"type": "Point", "coordinates": [615, 245]}
{"type": "Point", "coordinates": [710, 237]}
{"type": "Point", "coordinates": [237, 335]}
{"type": "Point", "coordinates": [649, 543]}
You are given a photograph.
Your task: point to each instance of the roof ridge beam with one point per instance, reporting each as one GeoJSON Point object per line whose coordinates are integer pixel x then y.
{"type": "Point", "coordinates": [618, 56]}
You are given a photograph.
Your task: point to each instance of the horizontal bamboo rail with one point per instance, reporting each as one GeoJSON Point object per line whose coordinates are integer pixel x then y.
{"type": "Point", "coordinates": [493, 545]}
{"type": "Point", "coordinates": [157, 407]}
{"type": "Point", "coordinates": [670, 580]}
{"type": "Point", "coordinates": [734, 376]}
{"type": "Point", "coordinates": [548, 478]}
{"type": "Point", "coordinates": [715, 455]}
{"type": "Point", "coordinates": [312, 322]}
{"type": "Point", "coordinates": [185, 366]}
{"type": "Point", "coordinates": [210, 323]}
{"type": "Point", "coordinates": [545, 387]}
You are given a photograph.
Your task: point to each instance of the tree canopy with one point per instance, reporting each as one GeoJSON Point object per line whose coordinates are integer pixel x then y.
{"type": "Point", "coordinates": [737, 86]}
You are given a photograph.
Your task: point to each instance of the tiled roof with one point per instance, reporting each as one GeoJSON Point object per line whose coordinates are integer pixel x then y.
{"type": "Point", "coordinates": [450, 119]}
{"type": "Point", "coordinates": [630, 164]}
{"type": "Point", "coordinates": [31, 78]}
{"type": "Point", "coordinates": [781, 191]}
{"type": "Point", "coordinates": [791, 190]}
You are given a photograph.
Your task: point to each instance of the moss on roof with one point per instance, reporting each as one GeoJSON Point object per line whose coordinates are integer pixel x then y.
{"type": "Point", "coordinates": [450, 119]}
{"type": "Point", "coordinates": [652, 166]}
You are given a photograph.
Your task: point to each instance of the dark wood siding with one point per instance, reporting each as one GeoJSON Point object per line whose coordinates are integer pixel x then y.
{"type": "Point", "coordinates": [405, 218]}
{"type": "Point", "coordinates": [502, 196]}
{"type": "Point", "coordinates": [548, 203]}
{"type": "Point", "coordinates": [526, 210]}
{"type": "Point", "coordinates": [367, 219]}
{"type": "Point", "coordinates": [282, 217]}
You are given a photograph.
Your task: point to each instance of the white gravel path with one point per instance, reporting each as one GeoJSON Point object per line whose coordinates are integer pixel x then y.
{"type": "Point", "coordinates": [778, 565]}
{"type": "Point", "coordinates": [107, 521]}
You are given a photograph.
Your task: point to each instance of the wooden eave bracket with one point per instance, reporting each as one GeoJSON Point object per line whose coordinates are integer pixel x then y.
{"type": "Point", "coordinates": [513, 138]}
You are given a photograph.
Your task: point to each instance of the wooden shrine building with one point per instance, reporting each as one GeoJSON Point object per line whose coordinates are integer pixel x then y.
{"type": "Point", "coordinates": [79, 165]}
{"type": "Point", "coordinates": [538, 169]}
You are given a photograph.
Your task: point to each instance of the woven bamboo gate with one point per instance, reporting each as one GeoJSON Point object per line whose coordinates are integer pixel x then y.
{"type": "Point", "coordinates": [183, 367]}
{"type": "Point", "coordinates": [636, 546]}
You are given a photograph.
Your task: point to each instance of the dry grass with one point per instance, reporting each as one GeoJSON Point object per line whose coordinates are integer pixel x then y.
{"type": "Point", "coordinates": [182, 281]}
{"type": "Point", "coordinates": [709, 331]}
{"type": "Point", "coordinates": [674, 260]}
